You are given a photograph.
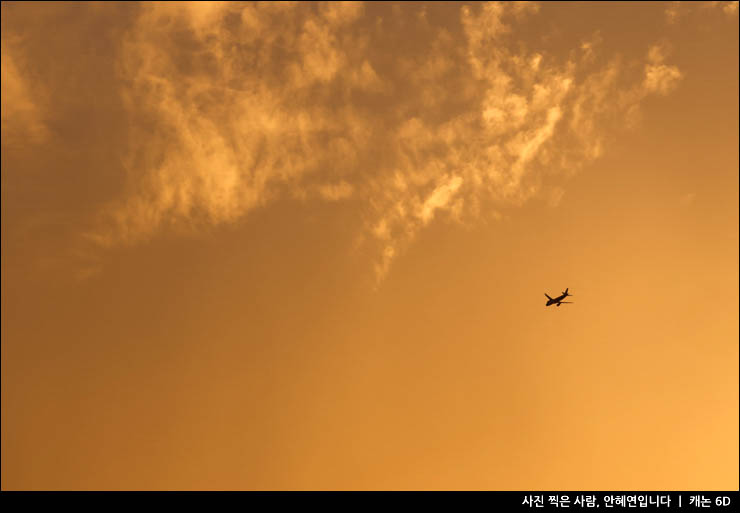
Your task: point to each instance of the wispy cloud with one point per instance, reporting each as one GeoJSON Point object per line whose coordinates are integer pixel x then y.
{"type": "Point", "coordinates": [659, 77]}
{"type": "Point", "coordinates": [23, 103]}
{"type": "Point", "coordinates": [241, 98]}
{"type": "Point", "coordinates": [676, 11]}
{"type": "Point", "coordinates": [529, 114]}
{"type": "Point", "coordinates": [232, 105]}
{"type": "Point", "coordinates": [336, 192]}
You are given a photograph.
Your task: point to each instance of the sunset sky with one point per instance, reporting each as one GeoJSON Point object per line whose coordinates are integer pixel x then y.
{"type": "Point", "coordinates": [304, 246]}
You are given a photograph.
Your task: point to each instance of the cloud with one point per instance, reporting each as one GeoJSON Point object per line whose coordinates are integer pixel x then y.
{"type": "Point", "coordinates": [336, 192]}
{"type": "Point", "coordinates": [530, 115]}
{"type": "Point", "coordinates": [439, 198]}
{"type": "Point", "coordinates": [23, 104]}
{"type": "Point", "coordinates": [673, 12]}
{"type": "Point", "coordinates": [677, 10]}
{"type": "Point", "coordinates": [240, 98]}
{"type": "Point", "coordinates": [660, 78]}
{"type": "Point", "coordinates": [231, 105]}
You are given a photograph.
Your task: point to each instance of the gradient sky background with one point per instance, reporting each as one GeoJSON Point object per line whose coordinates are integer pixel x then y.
{"type": "Point", "coordinates": [305, 246]}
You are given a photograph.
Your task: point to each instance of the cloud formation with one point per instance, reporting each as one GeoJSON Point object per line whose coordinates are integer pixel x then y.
{"type": "Point", "coordinates": [231, 105]}
{"type": "Point", "coordinates": [22, 103]}
{"type": "Point", "coordinates": [240, 101]}
{"type": "Point", "coordinates": [675, 11]}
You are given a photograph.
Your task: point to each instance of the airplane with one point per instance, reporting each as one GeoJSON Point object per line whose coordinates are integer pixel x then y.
{"type": "Point", "coordinates": [558, 300]}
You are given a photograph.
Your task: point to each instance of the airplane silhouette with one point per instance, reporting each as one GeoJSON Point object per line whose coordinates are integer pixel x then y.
{"type": "Point", "coordinates": [558, 300]}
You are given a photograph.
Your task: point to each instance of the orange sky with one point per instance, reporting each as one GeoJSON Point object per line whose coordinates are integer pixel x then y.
{"type": "Point", "coordinates": [277, 246]}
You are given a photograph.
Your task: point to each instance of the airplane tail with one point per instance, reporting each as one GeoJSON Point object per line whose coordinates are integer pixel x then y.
{"type": "Point", "coordinates": [566, 291]}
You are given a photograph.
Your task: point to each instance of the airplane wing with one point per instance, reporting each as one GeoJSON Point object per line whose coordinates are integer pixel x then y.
{"type": "Point", "coordinates": [566, 302]}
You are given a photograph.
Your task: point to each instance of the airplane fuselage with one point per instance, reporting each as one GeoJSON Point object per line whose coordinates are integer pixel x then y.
{"type": "Point", "coordinates": [556, 300]}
